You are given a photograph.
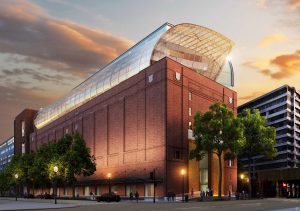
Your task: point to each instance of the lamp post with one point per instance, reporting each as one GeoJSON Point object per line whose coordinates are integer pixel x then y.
{"type": "Point", "coordinates": [109, 186]}
{"type": "Point", "coordinates": [16, 177]}
{"type": "Point", "coordinates": [55, 169]}
{"type": "Point", "coordinates": [182, 172]}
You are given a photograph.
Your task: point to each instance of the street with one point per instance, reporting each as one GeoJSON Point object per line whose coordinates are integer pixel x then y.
{"type": "Point", "coordinates": [71, 205]}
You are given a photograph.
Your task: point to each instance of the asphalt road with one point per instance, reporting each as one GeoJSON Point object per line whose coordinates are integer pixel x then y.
{"type": "Point", "coordinates": [240, 205]}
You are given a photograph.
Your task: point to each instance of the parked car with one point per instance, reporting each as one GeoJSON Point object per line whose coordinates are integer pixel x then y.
{"type": "Point", "coordinates": [44, 196]}
{"type": "Point", "coordinates": [28, 196]}
{"type": "Point", "coordinates": [108, 197]}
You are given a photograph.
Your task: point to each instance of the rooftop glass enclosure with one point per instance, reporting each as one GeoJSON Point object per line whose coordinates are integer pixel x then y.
{"type": "Point", "coordinates": [196, 47]}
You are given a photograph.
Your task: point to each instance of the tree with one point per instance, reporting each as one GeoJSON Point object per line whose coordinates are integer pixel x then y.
{"type": "Point", "coordinates": [4, 182]}
{"type": "Point", "coordinates": [217, 131]}
{"type": "Point", "coordinates": [259, 138]}
{"type": "Point", "coordinates": [79, 161]}
{"type": "Point", "coordinates": [70, 154]}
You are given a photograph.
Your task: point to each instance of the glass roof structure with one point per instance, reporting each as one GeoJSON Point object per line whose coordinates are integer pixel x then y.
{"type": "Point", "coordinates": [196, 47]}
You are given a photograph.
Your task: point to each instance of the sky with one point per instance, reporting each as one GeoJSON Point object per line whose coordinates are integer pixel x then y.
{"type": "Point", "coordinates": [47, 47]}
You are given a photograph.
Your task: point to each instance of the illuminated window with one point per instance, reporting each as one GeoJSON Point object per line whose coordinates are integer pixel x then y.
{"type": "Point", "coordinates": [190, 96]}
{"type": "Point", "coordinates": [150, 78]}
{"type": "Point", "coordinates": [230, 163]}
{"type": "Point", "coordinates": [67, 130]}
{"type": "Point", "coordinates": [190, 125]}
{"type": "Point", "coordinates": [23, 128]}
{"type": "Point", "coordinates": [23, 148]}
{"type": "Point", "coordinates": [190, 111]}
{"type": "Point", "coordinates": [177, 76]}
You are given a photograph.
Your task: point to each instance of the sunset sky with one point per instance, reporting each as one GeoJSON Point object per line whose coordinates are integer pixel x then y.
{"type": "Point", "coordinates": [47, 47]}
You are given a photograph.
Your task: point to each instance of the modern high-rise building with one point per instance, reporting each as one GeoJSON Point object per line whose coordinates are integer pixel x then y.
{"type": "Point", "coordinates": [6, 152]}
{"type": "Point", "coordinates": [135, 113]}
{"type": "Point", "coordinates": [281, 107]}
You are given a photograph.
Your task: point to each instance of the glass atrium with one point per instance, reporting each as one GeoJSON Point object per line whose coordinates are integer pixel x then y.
{"type": "Point", "coordinates": [196, 47]}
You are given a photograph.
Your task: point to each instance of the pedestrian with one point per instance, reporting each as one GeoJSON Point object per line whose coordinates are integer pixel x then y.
{"type": "Point", "coordinates": [137, 196]}
{"type": "Point", "coordinates": [207, 191]}
{"type": "Point", "coordinates": [131, 196]}
{"type": "Point", "coordinates": [173, 196]}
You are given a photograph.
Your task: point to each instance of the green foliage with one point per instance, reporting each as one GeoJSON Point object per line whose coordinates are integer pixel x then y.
{"type": "Point", "coordinates": [69, 154]}
{"type": "Point", "coordinates": [259, 139]}
{"type": "Point", "coordinates": [217, 131]}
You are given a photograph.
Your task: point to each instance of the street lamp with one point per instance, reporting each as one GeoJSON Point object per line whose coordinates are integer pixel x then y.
{"type": "Point", "coordinates": [16, 177]}
{"type": "Point", "coordinates": [55, 169]}
{"type": "Point", "coordinates": [182, 172]}
{"type": "Point", "coordinates": [242, 176]}
{"type": "Point", "coordinates": [109, 186]}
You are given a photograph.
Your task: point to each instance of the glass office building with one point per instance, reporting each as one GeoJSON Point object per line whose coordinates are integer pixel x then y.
{"type": "Point", "coordinates": [6, 152]}
{"type": "Point", "coordinates": [196, 47]}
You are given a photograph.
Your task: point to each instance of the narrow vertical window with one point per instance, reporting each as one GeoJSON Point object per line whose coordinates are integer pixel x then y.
{"type": "Point", "coordinates": [190, 96]}
{"type": "Point", "coordinates": [190, 111]}
{"type": "Point", "coordinates": [190, 125]}
{"type": "Point", "coordinates": [23, 128]}
{"type": "Point", "coordinates": [177, 76]}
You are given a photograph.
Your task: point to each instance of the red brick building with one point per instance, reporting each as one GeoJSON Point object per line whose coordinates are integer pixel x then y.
{"type": "Point", "coordinates": [142, 122]}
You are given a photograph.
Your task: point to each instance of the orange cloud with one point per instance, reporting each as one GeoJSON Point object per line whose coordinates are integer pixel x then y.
{"type": "Point", "coordinates": [293, 3]}
{"type": "Point", "coordinates": [270, 39]}
{"type": "Point", "coordinates": [282, 66]}
{"type": "Point", "coordinates": [29, 31]}
{"type": "Point", "coordinates": [249, 97]}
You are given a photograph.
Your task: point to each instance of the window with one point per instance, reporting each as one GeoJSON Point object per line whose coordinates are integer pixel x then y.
{"type": "Point", "coordinates": [65, 191]}
{"type": "Point", "coordinates": [23, 148]}
{"type": "Point", "coordinates": [230, 100]}
{"type": "Point", "coordinates": [23, 128]}
{"type": "Point", "coordinates": [177, 76]}
{"type": "Point", "coordinates": [86, 190]}
{"type": "Point", "coordinates": [190, 111]}
{"type": "Point", "coordinates": [76, 127]}
{"type": "Point", "coordinates": [67, 130]}
{"type": "Point", "coordinates": [190, 125]}
{"type": "Point", "coordinates": [149, 190]}
{"type": "Point", "coordinates": [190, 96]}
{"type": "Point", "coordinates": [150, 78]}
{"type": "Point", "coordinates": [230, 163]}
{"type": "Point", "coordinates": [177, 155]}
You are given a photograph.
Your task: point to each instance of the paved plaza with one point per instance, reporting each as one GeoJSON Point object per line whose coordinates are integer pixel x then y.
{"type": "Point", "coordinates": [73, 205]}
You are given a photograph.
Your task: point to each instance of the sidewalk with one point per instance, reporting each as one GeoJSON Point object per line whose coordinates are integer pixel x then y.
{"type": "Point", "coordinates": [24, 204]}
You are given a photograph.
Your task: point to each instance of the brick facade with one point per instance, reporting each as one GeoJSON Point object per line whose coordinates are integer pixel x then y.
{"type": "Point", "coordinates": [142, 124]}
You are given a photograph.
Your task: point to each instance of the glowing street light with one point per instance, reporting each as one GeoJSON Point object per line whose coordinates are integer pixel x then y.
{"type": "Point", "coordinates": [55, 169]}
{"type": "Point", "coordinates": [182, 172]}
{"type": "Point", "coordinates": [242, 176]}
{"type": "Point", "coordinates": [16, 177]}
{"type": "Point", "coordinates": [109, 186]}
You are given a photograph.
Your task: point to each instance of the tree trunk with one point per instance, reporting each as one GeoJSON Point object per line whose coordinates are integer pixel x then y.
{"type": "Point", "coordinates": [250, 179]}
{"type": "Point", "coordinates": [73, 189]}
{"type": "Point", "coordinates": [220, 176]}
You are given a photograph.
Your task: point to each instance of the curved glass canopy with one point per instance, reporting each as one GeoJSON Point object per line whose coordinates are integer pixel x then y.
{"type": "Point", "coordinates": [196, 47]}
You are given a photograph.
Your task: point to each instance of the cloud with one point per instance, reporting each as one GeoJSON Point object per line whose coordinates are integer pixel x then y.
{"type": "Point", "coordinates": [13, 100]}
{"type": "Point", "coordinates": [27, 30]}
{"type": "Point", "coordinates": [293, 3]}
{"type": "Point", "coordinates": [251, 96]}
{"type": "Point", "coordinates": [282, 66]}
{"type": "Point", "coordinates": [270, 39]}
{"type": "Point", "coordinates": [40, 76]}
{"type": "Point", "coordinates": [261, 3]}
